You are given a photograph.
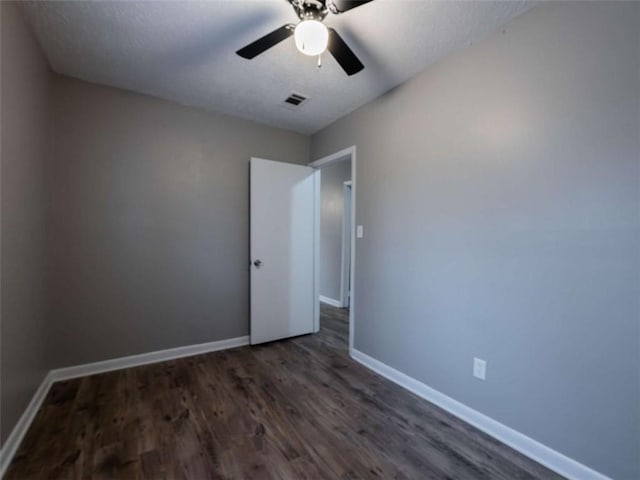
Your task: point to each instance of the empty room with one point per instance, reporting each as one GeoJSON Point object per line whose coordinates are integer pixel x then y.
{"type": "Point", "coordinates": [320, 239]}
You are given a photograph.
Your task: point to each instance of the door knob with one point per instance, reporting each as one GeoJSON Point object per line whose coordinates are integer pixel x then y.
{"type": "Point", "coordinates": [258, 263]}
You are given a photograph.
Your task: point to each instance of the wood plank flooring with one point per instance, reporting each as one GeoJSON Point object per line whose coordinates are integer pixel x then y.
{"type": "Point", "coordinates": [294, 409]}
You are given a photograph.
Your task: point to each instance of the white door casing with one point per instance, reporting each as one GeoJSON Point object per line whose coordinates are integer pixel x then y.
{"type": "Point", "coordinates": [350, 153]}
{"type": "Point", "coordinates": [345, 261]}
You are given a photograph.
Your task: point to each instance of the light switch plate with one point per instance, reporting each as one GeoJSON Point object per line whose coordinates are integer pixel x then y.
{"type": "Point", "coordinates": [359, 231]}
{"type": "Point", "coordinates": [479, 368]}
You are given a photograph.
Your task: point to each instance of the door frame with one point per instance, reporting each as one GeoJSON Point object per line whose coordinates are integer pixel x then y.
{"type": "Point", "coordinates": [342, 155]}
{"type": "Point", "coordinates": [345, 261]}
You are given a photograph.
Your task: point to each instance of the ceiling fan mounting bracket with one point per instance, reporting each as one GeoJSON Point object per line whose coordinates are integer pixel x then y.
{"type": "Point", "coordinates": [310, 9]}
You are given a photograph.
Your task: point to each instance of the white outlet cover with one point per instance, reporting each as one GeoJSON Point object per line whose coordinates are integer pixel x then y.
{"type": "Point", "coordinates": [359, 231]}
{"type": "Point", "coordinates": [479, 368]}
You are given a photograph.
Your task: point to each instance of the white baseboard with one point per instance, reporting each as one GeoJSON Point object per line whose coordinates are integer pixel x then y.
{"type": "Point", "coordinates": [331, 301]}
{"type": "Point", "coordinates": [17, 434]}
{"type": "Point", "coordinates": [145, 358]}
{"type": "Point", "coordinates": [14, 439]}
{"type": "Point", "coordinates": [533, 449]}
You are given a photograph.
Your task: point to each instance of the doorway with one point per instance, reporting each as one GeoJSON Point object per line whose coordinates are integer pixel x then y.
{"type": "Point", "coordinates": [336, 236]}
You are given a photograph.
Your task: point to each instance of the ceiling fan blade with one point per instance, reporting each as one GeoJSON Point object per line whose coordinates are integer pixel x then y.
{"type": "Point", "coordinates": [265, 43]}
{"type": "Point", "coordinates": [341, 6]}
{"type": "Point", "coordinates": [343, 54]}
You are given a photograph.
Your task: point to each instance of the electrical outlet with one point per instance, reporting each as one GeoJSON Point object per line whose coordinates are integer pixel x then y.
{"type": "Point", "coordinates": [479, 368]}
{"type": "Point", "coordinates": [359, 232]}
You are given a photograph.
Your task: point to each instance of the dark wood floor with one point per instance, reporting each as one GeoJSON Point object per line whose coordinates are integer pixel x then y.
{"type": "Point", "coordinates": [294, 409]}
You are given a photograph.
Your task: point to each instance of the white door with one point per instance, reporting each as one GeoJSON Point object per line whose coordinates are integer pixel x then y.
{"type": "Point", "coordinates": [283, 235]}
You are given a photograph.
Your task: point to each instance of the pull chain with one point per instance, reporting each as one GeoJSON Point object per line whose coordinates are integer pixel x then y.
{"type": "Point", "coordinates": [319, 61]}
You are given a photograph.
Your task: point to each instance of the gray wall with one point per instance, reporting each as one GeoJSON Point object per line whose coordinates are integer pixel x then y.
{"type": "Point", "coordinates": [150, 224]}
{"type": "Point", "coordinates": [500, 197]}
{"type": "Point", "coordinates": [124, 220]}
{"type": "Point", "coordinates": [24, 96]}
{"type": "Point", "coordinates": [331, 216]}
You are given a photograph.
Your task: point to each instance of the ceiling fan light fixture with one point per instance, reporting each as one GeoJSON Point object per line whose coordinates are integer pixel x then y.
{"type": "Point", "coordinates": [311, 37]}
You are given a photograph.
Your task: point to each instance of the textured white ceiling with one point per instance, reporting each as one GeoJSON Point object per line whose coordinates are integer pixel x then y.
{"type": "Point", "coordinates": [185, 51]}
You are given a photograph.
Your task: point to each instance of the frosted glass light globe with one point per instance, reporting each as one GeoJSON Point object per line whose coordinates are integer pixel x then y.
{"type": "Point", "coordinates": [311, 37]}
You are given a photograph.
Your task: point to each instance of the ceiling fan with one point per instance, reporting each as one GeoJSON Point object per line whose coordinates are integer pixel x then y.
{"type": "Point", "coordinates": [312, 37]}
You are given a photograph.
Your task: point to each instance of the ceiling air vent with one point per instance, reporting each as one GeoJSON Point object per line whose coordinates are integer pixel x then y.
{"type": "Point", "coordinates": [294, 101]}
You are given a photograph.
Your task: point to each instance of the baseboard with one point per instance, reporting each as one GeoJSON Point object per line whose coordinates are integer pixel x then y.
{"type": "Point", "coordinates": [145, 358]}
{"type": "Point", "coordinates": [533, 449]}
{"type": "Point", "coordinates": [14, 439]}
{"type": "Point", "coordinates": [17, 434]}
{"type": "Point", "coordinates": [331, 301]}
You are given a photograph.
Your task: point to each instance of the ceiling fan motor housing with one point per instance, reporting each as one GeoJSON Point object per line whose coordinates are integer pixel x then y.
{"type": "Point", "coordinates": [311, 9]}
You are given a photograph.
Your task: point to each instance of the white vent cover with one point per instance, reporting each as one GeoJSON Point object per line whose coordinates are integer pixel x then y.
{"type": "Point", "coordinates": [294, 101]}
